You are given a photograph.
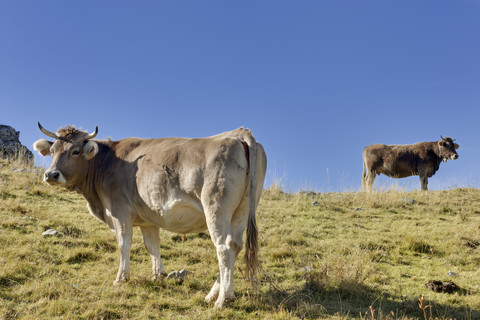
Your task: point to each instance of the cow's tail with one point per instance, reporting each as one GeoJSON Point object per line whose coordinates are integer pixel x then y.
{"type": "Point", "coordinates": [364, 174]}
{"type": "Point", "coordinates": [251, 245]}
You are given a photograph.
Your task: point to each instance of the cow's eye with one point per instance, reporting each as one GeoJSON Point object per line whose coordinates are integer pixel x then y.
{"type": "Point", "coordinates": [76, 152]}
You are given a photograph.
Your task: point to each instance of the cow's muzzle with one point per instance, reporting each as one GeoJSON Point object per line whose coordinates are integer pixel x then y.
{"type": "Point", "coordinates": [53, 176]}
{"type": "Point", "coordinates": [452, 157]}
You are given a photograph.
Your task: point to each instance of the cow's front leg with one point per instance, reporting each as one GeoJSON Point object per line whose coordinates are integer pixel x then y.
{"type": "Point", "coordinates": [424, 182]}
{"type": "Point", "coordinates": [123, 230]}
{"type": "Point", "coordinates": [151, 239]}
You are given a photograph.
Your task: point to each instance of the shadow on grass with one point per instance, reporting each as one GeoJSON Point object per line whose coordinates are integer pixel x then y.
{"type": "Point", "coordinates": [352, 300]}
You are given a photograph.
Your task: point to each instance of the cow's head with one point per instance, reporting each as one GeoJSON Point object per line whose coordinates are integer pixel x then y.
{"type": "Point", "coordinates": [447, 149]}
{"type": "Point", "coordinates": [70, 153]}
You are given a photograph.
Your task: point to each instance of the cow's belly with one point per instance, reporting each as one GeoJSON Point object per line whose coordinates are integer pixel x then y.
{"type": "Point", "coordinates": [180, 216]}
{"type": "Point", "coordinates": [396, 173]}
{"type": "Point", "coordinates": [398, 169]}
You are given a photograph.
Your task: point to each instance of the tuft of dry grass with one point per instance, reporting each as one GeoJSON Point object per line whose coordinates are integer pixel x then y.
{"type": "Point", "coordinates": [274, 191]}
{"type": "Point", "coordinates": [347, 255]}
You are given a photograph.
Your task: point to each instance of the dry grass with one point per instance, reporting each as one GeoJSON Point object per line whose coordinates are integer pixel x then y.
{"type": "Point", "coordinates": [330, 255]}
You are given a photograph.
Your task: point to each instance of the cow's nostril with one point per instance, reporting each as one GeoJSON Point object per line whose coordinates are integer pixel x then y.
{"type": "Point", "coordinates": [52, 175]}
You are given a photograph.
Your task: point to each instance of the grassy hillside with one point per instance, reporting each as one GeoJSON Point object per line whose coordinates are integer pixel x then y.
{"type": "Point", "coordinates": [324, 256]}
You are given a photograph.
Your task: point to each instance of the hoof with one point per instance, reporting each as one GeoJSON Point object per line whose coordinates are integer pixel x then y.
{"type": "Point", "coordinates": [210, 298]}
{"type": "Point", "coordinates": [178, 276]}
{"type": "Point", "coordinates": [158, 277]}
{"type": "Point", "coordinates": [121, 281]}
{"type": "Point", "coordinates": [223, 304]}
{"type": "Point", "coordinates": [117, 283]}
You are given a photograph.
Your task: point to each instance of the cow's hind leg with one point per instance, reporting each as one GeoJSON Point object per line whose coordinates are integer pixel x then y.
{"type": "Point", "coordinates": [151, 239]}
{"type": "Point", "coordinates": [226, 246]}
{"type": "Point", "coordinates": [370, 178]}
{"type": "Point", "coordinates": [238, 225]}
{"type": "Point", "coordinates": [214, 291]}
{"type": "Point", "coordinates": [228, 239]}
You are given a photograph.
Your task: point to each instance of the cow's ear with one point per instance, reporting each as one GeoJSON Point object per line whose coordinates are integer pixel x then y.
{"type": "Point", "coordinates": [441, 143]}
{"type": "Point", "coordinates": [456, 145]}
{"type": "Point", "coordinates": [90, 150]}
{"type": "Point", "coordinates": [42, 146]}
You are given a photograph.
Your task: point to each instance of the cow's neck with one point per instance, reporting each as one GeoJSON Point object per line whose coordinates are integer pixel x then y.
{"type": "Point", "coordinates": [437, 149]}
{"type": "Point", "coordinates": [439, 156]}
{"type": "Point", "coordinates": [98, 168]}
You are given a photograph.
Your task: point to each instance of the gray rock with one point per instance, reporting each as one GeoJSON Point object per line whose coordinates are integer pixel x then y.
{"type": "Point", "coordinates": [182, 273]}
{"type": "Point", "coordinates": [452, 274]}
{"type": "Point", "coordinates": [11, 148]}
{"type": "Point", "coordinates": [410, 201]}
{"type": "Point", "coordinates": [178, 275]}
{"type": "Point", "coordinates": [33, 170]}
{"type": "Point", "coordinates": [50, 232]}
{"type": "Point", "coordinates": [307, 269]}
{"type": "Point", "coordinates": [315, 203]}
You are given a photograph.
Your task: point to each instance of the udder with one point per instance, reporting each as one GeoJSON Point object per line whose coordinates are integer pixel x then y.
{"type": "Point", "coordinates": [182, 218]}
{"type": "Point", "coordinates": [179, 215]}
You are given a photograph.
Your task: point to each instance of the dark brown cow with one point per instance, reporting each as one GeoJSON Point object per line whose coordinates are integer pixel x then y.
{"type": "Point", "coordinates": [178, 184]}
{"type": "Point", "coordinates": [399, 161]}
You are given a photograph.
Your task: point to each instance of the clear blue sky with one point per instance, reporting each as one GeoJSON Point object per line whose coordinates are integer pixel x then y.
{"type": "Point", "coordinates": [316, 81]}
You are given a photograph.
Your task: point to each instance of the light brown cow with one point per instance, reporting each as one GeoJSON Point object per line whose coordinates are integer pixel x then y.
{"type": "Point", "coordinates": [178, 184]}
{"type": "Point", "coordinates": [400, 161]}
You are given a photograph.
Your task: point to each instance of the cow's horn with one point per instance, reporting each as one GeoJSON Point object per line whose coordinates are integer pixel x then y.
{"type": "Point", "coordinates": [46, 132]}
{"type": "Point", "coordinates": [442, 137]}
{"type": "Point", "coordinates": [93, 134]}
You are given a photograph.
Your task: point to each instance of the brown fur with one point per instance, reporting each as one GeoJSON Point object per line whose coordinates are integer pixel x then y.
{"type": "Point", "coordinates": [68, 131]}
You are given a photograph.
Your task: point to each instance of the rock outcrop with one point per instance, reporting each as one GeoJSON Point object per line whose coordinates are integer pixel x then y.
{"type": "Point", "coordinates": [11, 148]}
